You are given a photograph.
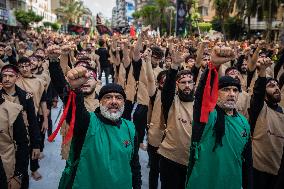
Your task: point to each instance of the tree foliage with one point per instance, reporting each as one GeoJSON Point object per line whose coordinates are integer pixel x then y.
{"type": "Point", "coordinates": [71, 12]}
{"type": "Point", "coordinates": [27, 17]}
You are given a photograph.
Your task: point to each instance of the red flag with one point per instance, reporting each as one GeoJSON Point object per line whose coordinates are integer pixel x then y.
{"type": "Point", "coordinates": [132, 31]}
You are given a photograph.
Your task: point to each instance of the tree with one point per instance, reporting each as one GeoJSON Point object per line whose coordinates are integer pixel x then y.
{"type": "Point", "coordinates": [71, 11]}
{"type": "Point", "coordinates": [150, 15]}
{"type": "Point", "coordinates": [162, 5]}
{"type": "Point", "coordinates": [269, 9]}
{"type": "Point", "coordinates": [223, 9]}
{"type": "Point", "coordinates": [27, 18]}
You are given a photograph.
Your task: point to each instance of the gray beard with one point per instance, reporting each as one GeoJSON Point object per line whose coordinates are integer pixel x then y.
{"type": "Point", "coordinates": [227, 105]}
{"type": "Point", "coordinates": [109, 115]}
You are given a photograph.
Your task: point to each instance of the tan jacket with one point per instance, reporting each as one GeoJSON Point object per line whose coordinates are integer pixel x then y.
{"type": "Point", "coordinates": [8, 114]}
{"type": "Point", "coordinates": [176, 143]}
{"type": "Point", "coordinates": [144, 88]}
{"type": "Point", "coordinates": [156, 125]}
{"type": "Point", "coordinates": [34, 86]}
{"type": "Point", "coordinates": [268, 141]}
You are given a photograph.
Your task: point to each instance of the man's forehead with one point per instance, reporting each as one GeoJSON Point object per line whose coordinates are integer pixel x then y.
{"type": "Point", "coordinates": [230, 87]}
{"type": "Point", "coordinates": [233, 71]}
{"type": "Point", "coordinates": [272, 82]}
{"type": "Point", "coordinates": [186, 77]}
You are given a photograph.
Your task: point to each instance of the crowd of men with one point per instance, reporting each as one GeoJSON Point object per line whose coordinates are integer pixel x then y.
{"type": "Point", "coordinates": [211, 111]}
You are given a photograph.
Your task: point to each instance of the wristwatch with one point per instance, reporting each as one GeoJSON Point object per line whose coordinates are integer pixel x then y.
{"type": "Point", "coordinates": [18, 176]}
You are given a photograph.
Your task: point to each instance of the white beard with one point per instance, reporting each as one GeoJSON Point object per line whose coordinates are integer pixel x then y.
{"type": "Point", "coordinates": [111, 116]}
{"type": "Point", "coordinates": [227, 105]}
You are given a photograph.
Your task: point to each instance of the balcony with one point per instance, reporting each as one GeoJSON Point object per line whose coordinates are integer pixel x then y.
{"type": "Point", "coordinates": [261, 25]}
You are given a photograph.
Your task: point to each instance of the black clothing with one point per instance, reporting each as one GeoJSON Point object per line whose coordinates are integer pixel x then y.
{"type": "Point", "coordinates": [28, 107]}
{"type": "Point", "coordinates": [280, 177]}
{"type": "Point", "coordinates": [263, 180]}
{"type": "Point", "coordinates": [22, 152]}
{"type": "Point", "coordinates": [168, 92]}
{"type": "Point", "coordinates": [154, 163]}
{"type": "Point", "coordinates": [104, 56]}
{"type": "Point", "coordinates": [173, 175]}
{"type": "Point", "coordinates": [3, 178]}
{"type": "Point", "coordinates": [139, 118]}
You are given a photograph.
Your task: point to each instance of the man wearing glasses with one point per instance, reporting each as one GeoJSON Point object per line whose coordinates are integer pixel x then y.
{"type": "Point", "coordinates": [177, 111]}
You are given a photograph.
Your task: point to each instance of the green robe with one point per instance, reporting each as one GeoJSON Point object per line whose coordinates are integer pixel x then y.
{"type": "Point", "coordinates": [222, 168]}
{"type": "Point", "coordinates": [105, 157]}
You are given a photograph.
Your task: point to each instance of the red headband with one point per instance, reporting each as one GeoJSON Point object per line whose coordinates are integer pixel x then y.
{"type": "Point", "coordinates": [9, 70]}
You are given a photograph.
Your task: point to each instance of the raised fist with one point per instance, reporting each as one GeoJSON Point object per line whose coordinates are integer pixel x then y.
{"type": "Point", "coordinates": [221, 55]}
{"type": "Point", "coordinates": [77, 76]}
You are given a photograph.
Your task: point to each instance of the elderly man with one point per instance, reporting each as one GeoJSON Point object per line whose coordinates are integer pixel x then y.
{"type": "Point", "coordinates": [221, 144]}
{"type": "Point", "coordinates": [104, 149]}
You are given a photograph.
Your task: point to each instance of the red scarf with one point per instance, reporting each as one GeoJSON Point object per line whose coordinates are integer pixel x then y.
{"type": "Point", "coordinates": [209, 98]}
{"type": "Point", "coordinates": [71, 99]}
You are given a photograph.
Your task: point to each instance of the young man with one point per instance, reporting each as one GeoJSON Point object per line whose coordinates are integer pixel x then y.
{"type": "Point", "coordinates": [177, 112]}
{"type": "Point", "coordinates": [104, 144]}
{"type": "Point", "coordinates": [14, 150]}
{"type": "Point", "coordinates": [156, 132]}
{"type": "Point", "coordinates": [220, 146]}
{"type": "Point", "coordinates": [104, 59]}
{"type": "Point", "coordinates": [140, 86]}
{"type": "Point", "coordinates": [266, 120]}
{"type": "Point", "coordinates": [36, 87]}
{"type": "Point", "coordinates": [11, 92]}
{"type": "Point", "coordinates": [60, 84]}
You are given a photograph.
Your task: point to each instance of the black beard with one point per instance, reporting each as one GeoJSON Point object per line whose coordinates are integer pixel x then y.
{"type": "Point", "coordinates": [88, 93]}
{"type": "Point", "coordinates": [186, 97]}
{"type": "Point", "coordinates": [243, 71]}
{"type": "Point", "coordinates": [272, 99]}
{"type": "Point", "coordinates": [154, 65]}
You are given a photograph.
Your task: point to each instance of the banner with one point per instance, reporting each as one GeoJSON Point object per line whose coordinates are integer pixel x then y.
{"type": "Point", "coordinates": [180, 17]}
{"type": "Point", "coordinates": [102, 29]}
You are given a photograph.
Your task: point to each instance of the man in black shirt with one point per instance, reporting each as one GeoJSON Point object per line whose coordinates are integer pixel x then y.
{"type": "Point", "coordinates": [104, 62]}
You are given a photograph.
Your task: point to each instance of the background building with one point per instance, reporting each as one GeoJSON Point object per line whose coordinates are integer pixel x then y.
{"type": "Point", "coordinates": [122, 14]}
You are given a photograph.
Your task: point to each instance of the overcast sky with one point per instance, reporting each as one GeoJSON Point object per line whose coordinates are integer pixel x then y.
{"type": "Point", "coordinates": [103, 6]}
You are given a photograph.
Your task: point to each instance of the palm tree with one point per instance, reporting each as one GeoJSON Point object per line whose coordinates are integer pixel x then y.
{"type": "Point", "coordinates": [272, 6]}
{"type": "Point", "coordinates": [223, 9]}
{"type": "Point", "coordinates": [162, 5]}
{"type": "Point", "coordinates": [246, 9]}
{"type": "Point", "coordinates": [71, 11]}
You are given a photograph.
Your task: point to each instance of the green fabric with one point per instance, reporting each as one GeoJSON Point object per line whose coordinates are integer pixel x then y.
{"type": "Point", "coordinates": [105, 157]}
{"type": "Point", "coordinates": [221, 169]}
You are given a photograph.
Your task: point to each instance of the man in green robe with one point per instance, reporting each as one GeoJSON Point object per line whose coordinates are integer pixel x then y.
{"type": "Point", "coordinates": [220, 153]}
{"type": "Point", "coordinates": [104, 148]}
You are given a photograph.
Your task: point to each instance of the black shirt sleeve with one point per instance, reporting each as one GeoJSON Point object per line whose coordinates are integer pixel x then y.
{"type": "Point", "coordinates": [22, 152]}
{"type": "Point", "coordinates": [168, 92]}
{"type": "Point", "coordinates": [82, 120]}
{"type": "Point", "coordinates": [135, 166]}
{"type": "Point", "coordinates": [3, 178]}
{"type": "Point", "coordinates": [257, 101]}
{"type": "Point", "coordinates": [43, 97]}
{"type": "Point", "coordinates": [57, 78]}
{"type": "Point", "coordinates": [34, 131]}
{"type": "Point", "coordinates": [280, 180]}
{"type": "Point", "coordinates": [249, 77]}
